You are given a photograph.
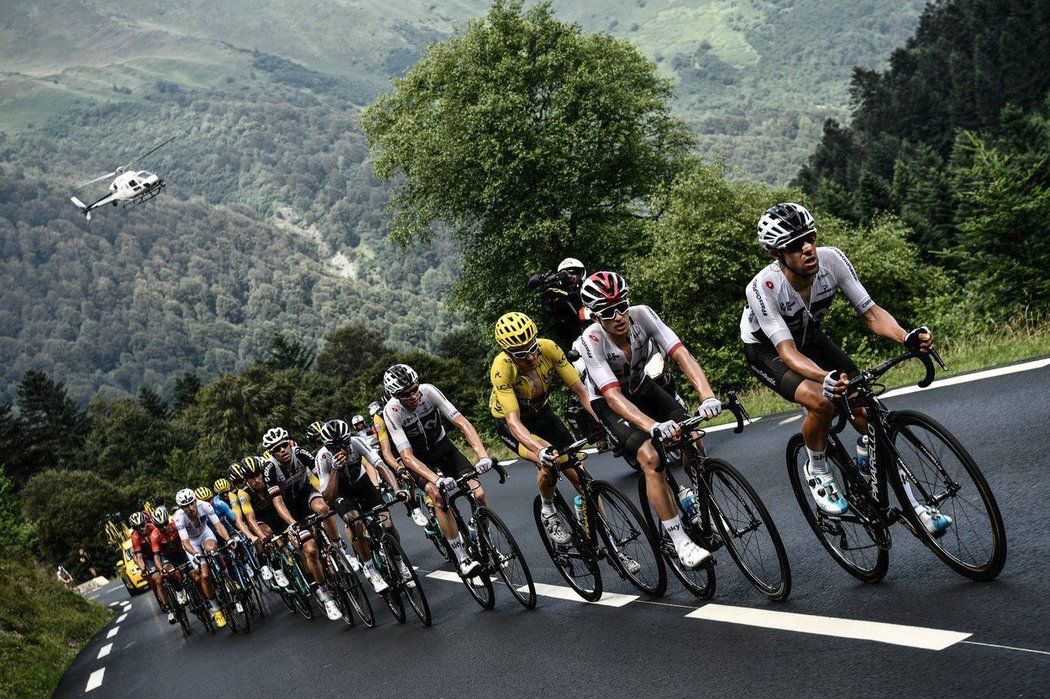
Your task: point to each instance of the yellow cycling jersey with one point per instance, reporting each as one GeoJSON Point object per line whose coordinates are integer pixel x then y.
{"type": "Point", "coordinates": [516, 391]}
{"type": "Point", "coordinates": [244, 502]}
{"type": "Point", "coordinates": [380, 425]}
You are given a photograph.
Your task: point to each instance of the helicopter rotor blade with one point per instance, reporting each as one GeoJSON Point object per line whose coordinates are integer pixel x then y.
{"type": "Point", "coordinates": [149, 152]}
{"type": "Point", "coordinates": [103, 177]}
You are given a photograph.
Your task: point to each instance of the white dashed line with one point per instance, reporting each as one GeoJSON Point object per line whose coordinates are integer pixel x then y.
{"type": "Point", "coordinates": [790, 419]}
{"type": "Point", "coordinates": [113, 632]}
{"type": "Point", "coordinates": [104, 650]}
{"type": "Point", "coordinates": [95, 681]}
{"type": "Point", "coordinates": [122, 617]}
{"type": "Point", "coordinates": [966, 378]}
{"type": "Point", "coordinates": [608, 599]}
{"type": "Point", "coordinates": [895, 634]}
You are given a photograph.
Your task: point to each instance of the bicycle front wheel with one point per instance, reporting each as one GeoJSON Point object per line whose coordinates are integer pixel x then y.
{"type": "Point", "coordinates": [631, 547]}
{"type": "Point", "coordinates": [747, 530]}
{"type": "Point", "coordinates": [353, 591]}
{"type": "Point", "coordinates": [937, 471]}
{"type": "Point", "coordinates": [505, 557]}
{"type": "Point", "coordinates": [700, 580]}
{"type": "Point", "coordinates": [574, 560]}
{"type": "Point", "coordinates": [407, 580]}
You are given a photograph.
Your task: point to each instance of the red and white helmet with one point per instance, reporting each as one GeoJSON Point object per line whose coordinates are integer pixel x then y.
{"type": "Point", "coordinates": [603, 289]}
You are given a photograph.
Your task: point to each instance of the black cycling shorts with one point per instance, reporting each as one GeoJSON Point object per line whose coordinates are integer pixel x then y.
{"type": "Point", "coordinates": [766, 364]}
{"type": "Point", "coordinates": [543, 423]}
{"type": "Point", "coordinates": [297, 498]}
{"type": "Point", "coordinates": [360, 495]}
{"type": "Point", "coordinates": [651, 400]}
{"type": "Point", "coordinates": [445, 459]}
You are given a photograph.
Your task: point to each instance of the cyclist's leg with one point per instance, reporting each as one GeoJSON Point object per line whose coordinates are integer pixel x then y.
{"type": "Point", "coordinates": [347, 504]}
{"type": "Point", "coordinates": [456, 464]}
{"type": "Point", "coordinates": [636, 444]}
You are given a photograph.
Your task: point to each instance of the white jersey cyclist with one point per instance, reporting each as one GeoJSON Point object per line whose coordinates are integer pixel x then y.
{"type": "Point", "coordinates": [607, 366]}
{"type": "Point", "coordinates": [360, 451]}
{"type": "Point", "coordinates": [420, 428]}
{"type": "Point", "coordinates": [776, 312]}
{"type": "Point", "coordinates": [581, 368]}
{"type": "Point", "coordinates": [199, 532]}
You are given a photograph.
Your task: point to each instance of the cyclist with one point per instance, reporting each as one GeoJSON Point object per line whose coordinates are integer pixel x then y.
{"type": "Point", "coordinates": [786, 349]}
{"type": "Point", "coordinates": [287, 480]}
{"type": "Point", "coordinates": [630, 405]}
{"type": "Point", "coordinates": [166, 543]}
{"type": "Point", "coordinates": [350, 484]}
{"type": "Point", "coordinates": [194, 521]}
{"type": "Point", "coordinates": [225, 503]}
{"type": "Point", "coordinates": [141, 529]}
{"type": "Point", "coordinates": [223, 511]}
{"type": "Point", "coordinates": [360, 428]}
{"type": "Point", "coordinates": [560, 293]}
{"type": "Point", "coordinates": [413, 420]}
{"type": "Point", "coordinates": [521, 377]}
{"type": "Point", "coordinates": [257, 511]}
{"type": "Point", "coordinates": [393, 461]}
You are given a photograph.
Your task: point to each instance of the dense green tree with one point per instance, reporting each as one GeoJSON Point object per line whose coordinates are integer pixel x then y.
{"type": "Point", "coordinates": [153, 404]}
{"type": "Point", "coordinates": [128, 440]}
{"type": "Point", "coordinates": [525, 137]}
{"type": "Point", "coordinates": [289, 352]}
{"type": "Point", "coordinates": [349, 349]}
{"type": "Point", "coordinates": [52, 427]}
{"type": "Point", "coordinates": [473, 348]}
{"type": "Point", "coordinates": [185, 391]}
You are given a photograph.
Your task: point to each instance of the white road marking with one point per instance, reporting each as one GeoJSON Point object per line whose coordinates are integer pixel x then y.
{"type": "Point", "coordinates": [729, 425]}
{"type": "Point", "coordinates": [113, 632]}
{"type": "Point", "coordinates": [104, 650]}
{"type": "Point", "coordinates": [122, 617]}
{"type": "Point", "coordinates": [608, 599]}
{"type": "Point", "coordinates": [95, 681]}
{"type": "Point", "coordinates": [966, 378]}
{"type": "Point", "coordinates": [114, 604]}
{"type": "Point", "coordinates": [444, 575]}
{"type": "Point", "coordinates": [996, 645]}
{"type": "Point", "coordinates": [790, 419]}
{"type": "Point", "coordinates": [896, 634]}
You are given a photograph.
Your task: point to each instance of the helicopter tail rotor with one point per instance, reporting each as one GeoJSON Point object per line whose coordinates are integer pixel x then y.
{"type": "Point", "coordinates": [82, 207]}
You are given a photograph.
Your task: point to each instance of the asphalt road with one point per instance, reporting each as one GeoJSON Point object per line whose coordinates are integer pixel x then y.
{"type": "Point", "coordinates": [572, 648]}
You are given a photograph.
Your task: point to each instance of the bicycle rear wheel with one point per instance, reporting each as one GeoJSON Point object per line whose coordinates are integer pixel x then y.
{"type": "Point", "coordinates": [627, 539]}
{"type": "Point", "coordinates": [353, 591]}
{"type": "Point", "coordinates": [940, 473]}
{"type": "Point", "coordinates": [852, 539]}
{"type": "Point", "coordinates": [384, 563]}
{"type": "Point", "coordinates": [410, 586]}
{"type": "Point", "coordinates": [300, 593]}
{"type": "Point", "coordinates": [747, 530]}
{"type": "Point", "coordinates": [700, 580]}
{"type": "Point", "coordinates": [506, 557]}
{"type": "Point", "coordinates": [574, 560]}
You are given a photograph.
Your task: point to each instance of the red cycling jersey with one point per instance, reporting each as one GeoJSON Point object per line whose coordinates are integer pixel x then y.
{"type": "Point", "coordinates": [165, 540]}
{"type": "Point", "coordinates": [140, 540]}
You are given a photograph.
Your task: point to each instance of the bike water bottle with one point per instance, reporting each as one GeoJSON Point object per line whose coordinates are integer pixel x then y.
{"type": "Point", "coordinates": [577, 504]}
{"type": "Point", "coordinates": [862, 453]}
{"type": "Point", "coordinates": [687, 498]}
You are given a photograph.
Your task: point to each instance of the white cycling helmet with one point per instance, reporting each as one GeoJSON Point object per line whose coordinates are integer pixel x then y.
{"type": "Point", "coordinates": [784, 223]}
{"type": "Point", "coordinates": [399, 377]}
{"type": "Point", "coordinates": [335, 434]}
{"type": "Point", "coordinates": [374, 408]}
{"type": "Point", "coordinates": [274, 436]}
{"type": "Point", "coordinates": [185, 497]}
{"type": "Point", "coordinates": [160, 516]}
{"type": "Point", "coordinates": [603, 289]}
{"type": "Point", "coordinates": [358, 422]}
{"type": "Point", "coordinates": [572, 263]}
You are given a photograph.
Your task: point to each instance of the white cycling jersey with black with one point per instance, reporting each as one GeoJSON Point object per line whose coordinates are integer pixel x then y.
{"type": "Point", "coordinates": [190, 530]}
{"type": "Point", "coordinates": [421, 428]}
{"type": "Point", "coordinates": [581, 368]}
{"type": "Point", "coordinates": [608, 366]}
{"type": "Point", "coordinates": [324, 461]}
{"type": "Point", "coordinates": [776, 312]}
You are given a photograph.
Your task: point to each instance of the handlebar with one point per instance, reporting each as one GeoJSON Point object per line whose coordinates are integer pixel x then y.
{"type": "Point", "coordinates": [462, 480]}
{"type": "Point", "coordinates": [732, 405]}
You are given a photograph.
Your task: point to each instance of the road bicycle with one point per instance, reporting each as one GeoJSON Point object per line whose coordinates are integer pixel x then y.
{"type": "Point", "coordinates": [491, 544]}
{"type": "Point", "coordinates": [395, 567]}
{"type": "Point", "coordinates": [340, 570]}
{"type": "Point", "coordinates": [173, 583]}
{"type": "Point", "coordinates": [728, 514]}
{"type": "Point", "coordinates": [288, 559]}
{"type": "Point", "coordinates": [925, 465]}
{"type": "Point", "coordinates": [181, 587]}
{"type": "Point", "coordinates": [231, 591]}
{"type": "Point", "coordinates": [606, 527]}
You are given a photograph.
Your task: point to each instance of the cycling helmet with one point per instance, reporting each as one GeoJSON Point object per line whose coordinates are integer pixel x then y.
{"type": "Point", "coordinates": [358, 422]}
{"type": "Point", "coordinates": [313, 432]}
{"type": "Point", "coordinates": [161, 516]}
{"type": "Point", "coordinates": [136, 520]}
{"type": "Point", "coordinates": [399, 377]}
{"type": "Point", "coordinates": [221, 486]}
{"type": "Point", "coordinates": [335, 435]}
{"type": "Point", "coordinates": [274, 436]}
{"type": "Point", "coordinates": [374, 408]}
{"type": "Point", "coordinates": [573, 265]}
{"type": "Point", "coordinates": [185, 497]}
{"type": "Point", "coordinates": [250, 467]}
{"type": "Point", "coordinates": [515, 330]}
{"type": "Point", "coordinates": [784, 223]}
{"type": "Point", "coordinates": [203, 493]}
{"type": "Point", "coordinates": [603, 289]}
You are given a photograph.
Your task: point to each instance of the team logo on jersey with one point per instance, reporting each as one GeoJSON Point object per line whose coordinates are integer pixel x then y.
{"type": "Point", "coordinates": [594, 338]}
{"type": "Point", "coordinates": [769, 284]}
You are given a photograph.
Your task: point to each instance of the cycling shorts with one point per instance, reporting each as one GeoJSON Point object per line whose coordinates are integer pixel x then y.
{"type": "Point", "coordinates": [766, 364]}
{"type": "Point", "coordinates": [178, 557]}
{"type": "Point", "coordinates": [445, 459]}
{"type": "Point", "coordinates": [651, 400]}
{"type": "Point", "coordinates": [205, 536]}
{"type": "Point", "coordinates": [543, 423]}
{"type": "Point", "coordinates": [361, 495]}
{"type": "Point", "coordinates": [297, 499]}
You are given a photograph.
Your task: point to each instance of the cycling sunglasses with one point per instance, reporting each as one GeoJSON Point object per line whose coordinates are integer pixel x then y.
{"type": "Point", "coordinates": [280, 447]}
{"type": "Point", "coordinates": [610, 312]}
{"type": "Point", "coordinates": [796, 244]}
{"type": "Point", "coordinates": [525, 353]}
{"type": "Point", "coordinates": [407, 393]}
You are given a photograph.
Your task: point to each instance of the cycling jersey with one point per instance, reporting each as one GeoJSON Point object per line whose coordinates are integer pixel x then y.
{"type": "Point", "coordinates": [353, 466]}
{"type": "Point", "coordinates": [140, 541]}
{"type": "Point", "coordinates": [607, 365]}
{"type": "Point", "coordinates": [776, 312]}
{"type": "Point", "coordinates": [516, 391]}
{"type": "Point", "coordinates": [225, 512]}
{"type": "Point", "coordinates": [167, 541]}
{"type": "Point", "coordinates": [197, 533]}
{"type": "Point", "coordinates": [420, 428]}
{"type": "Point", "coordinates": [278, 477]}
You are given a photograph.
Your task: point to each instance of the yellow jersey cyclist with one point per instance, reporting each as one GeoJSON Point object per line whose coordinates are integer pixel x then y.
{"type": "Point", "coordinates": [381, 438]}
{"type": "Point", "coordinates": [786, 349]}
{"type": "Point", "coordinates": [521, 377]}
{"type": "Point", "coordinates": [257, 511]}
{"type": "Point", "coordinates": [630, 405]}
{"type": "Point", "coordinates": [413, 420]}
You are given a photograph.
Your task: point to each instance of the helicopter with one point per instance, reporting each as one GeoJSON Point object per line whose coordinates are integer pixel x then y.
{"type": "Point", "coordinates": [130, 187]}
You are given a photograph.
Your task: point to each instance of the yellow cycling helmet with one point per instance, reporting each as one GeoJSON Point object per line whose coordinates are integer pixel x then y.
{"type": "Point", "coordinates": [221, 486]}
{"type": "Point", "coordinates": [203, 493]}
{"type": "Point", "coordinates": [515, 330]}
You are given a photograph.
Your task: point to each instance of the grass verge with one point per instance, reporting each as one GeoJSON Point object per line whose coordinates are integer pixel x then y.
{"type": "Point", "coordinates": [42, 628]}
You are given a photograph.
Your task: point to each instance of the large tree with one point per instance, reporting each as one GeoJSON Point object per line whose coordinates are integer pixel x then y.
{"type": "Point", "coordinates": [528, 140]}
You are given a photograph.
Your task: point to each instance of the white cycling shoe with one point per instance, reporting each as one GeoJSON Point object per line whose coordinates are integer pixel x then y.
{"type": "Point", "coordinates": [281, 578]}
{"type": "Point", "coordinates": [266, 573]}
{"type": "Point", "coordinates": [629, 564]}
{"type": "Point", "coordinates": [406, 574]}
{"type": "Point", "coordinates": [378, 584]}
{"type": "Point", "coordinates": [556, 531]}
{"type": "Point", "coordinates": [419, 518]}
{"type": "Point", "coordinates": [825, 492]}
{"type": "Point", "coordinates": [171, 617]}
{"type": "Point", "coordinates": [935, 522]}
{"type": "Point", "coordinates": [468, 566]}
{"type": "Point", "coordinates": [331, 609]}
{"type": "Point", "coordinates": [690, 555]}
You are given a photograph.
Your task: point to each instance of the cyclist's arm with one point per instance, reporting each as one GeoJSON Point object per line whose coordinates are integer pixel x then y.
{"type": "Point", "coordinates": [473, 438]}
{"type": "Point", "coordinates": [332, 486]}
{"type": "Point", "coordinates": [254, 525]}
{"type": "Point", "coordinates": [585, 399]}
{"type": "Point", "coordinates": [800, 363]}
{"type": "Point", "coordinates": [282, 509]}
{"type": "Point", "coordinates": [216, 523]}
{"type": "Point", "coordinates": [417, 466]}
{"type": "Point", "coordinates": [525, 438]}
{"type": "Point", "coordinates": [693, 372]}
{"type": "Point", "coordinates": [882, 323]}
{"type": "Point", "coordinates": [626, 409]}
